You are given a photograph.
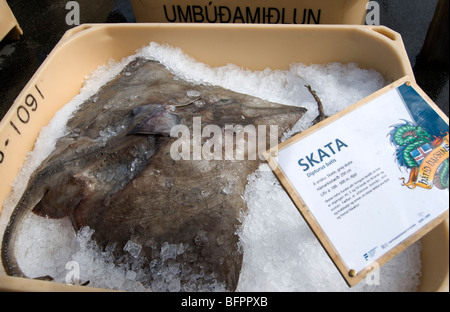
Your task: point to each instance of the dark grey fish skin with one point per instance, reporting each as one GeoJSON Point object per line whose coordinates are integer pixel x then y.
{"type": "Point", "coordinates": [114, 173]}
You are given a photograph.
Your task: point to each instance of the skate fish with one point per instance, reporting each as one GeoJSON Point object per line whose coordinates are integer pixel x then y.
{"type": "Point", "coordinates": [115, 173]}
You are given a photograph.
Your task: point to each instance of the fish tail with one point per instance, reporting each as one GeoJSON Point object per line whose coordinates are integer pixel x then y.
{"type": "Point", "coordinates": [25, 206]}
{"type": "Point", "coordinates": [9, 260]}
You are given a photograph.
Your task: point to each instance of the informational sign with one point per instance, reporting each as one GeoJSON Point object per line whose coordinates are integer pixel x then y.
{"type": "Point", "coordinates": [371, 180]}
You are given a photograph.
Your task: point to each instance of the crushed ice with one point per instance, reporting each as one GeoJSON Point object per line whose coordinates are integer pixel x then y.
{"type": "Point", "coordinates": [281, 253]}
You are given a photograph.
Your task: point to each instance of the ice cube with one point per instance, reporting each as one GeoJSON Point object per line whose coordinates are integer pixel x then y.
{"type": "Point", "coordinates": [133, 248]}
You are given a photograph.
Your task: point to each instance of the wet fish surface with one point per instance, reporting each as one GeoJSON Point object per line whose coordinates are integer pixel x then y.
{"type": "Point", "coordinates": [115, 173]}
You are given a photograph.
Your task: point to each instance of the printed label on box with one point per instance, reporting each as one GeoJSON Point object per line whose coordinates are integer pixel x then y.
{"type": "Point", "coordinates": [251, 12]}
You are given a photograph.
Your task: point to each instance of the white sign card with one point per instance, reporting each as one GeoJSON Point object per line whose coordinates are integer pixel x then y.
{"type": "Point", "coordinates": [371, 180]}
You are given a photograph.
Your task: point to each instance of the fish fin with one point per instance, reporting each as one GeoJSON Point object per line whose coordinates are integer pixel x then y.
{"type": "Point", "coordinates": [160, 122]}
{"type": "Point", "coordinates": [44, 278]}
{"type": "Point", "coordinates": [57, 202]}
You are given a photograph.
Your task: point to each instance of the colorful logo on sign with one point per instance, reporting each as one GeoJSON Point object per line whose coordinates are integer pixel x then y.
{"type": "Point", "coordinates": [424, 155]}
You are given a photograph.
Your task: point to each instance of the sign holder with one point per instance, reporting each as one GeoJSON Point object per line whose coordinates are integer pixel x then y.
{"type": "Point", "coordinates": [371, 180]}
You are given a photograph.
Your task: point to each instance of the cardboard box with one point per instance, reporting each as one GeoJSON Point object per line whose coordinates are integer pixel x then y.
{"type": "Point", "coordinates": [9, 27]}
